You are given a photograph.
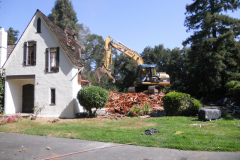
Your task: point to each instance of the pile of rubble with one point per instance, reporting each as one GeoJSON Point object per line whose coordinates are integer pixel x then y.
{"type": "Point", "coordinates": [122, 102]}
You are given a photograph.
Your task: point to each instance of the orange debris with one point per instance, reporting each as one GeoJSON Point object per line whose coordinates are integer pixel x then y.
{"type": "Point", "coordinates": [122, 102]}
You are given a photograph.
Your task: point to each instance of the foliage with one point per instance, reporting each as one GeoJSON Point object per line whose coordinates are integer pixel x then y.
{"type": "Point", "coordinates": [193, 108]}
{"type": "Point", "coordinates": [38, 109]}
{"type": "Point", "coordinates": [214, 50]}
{"type": "Point", "coordinates": [177, 103]}
{"type": "Point", "coordinates": [12, 36]}
{"type": "Point", "coordinates": [92, 97]}
{"type": "Point", "coordinates": [10, 119]}
{"type": "Point", "coordinates": [139, 110]}
{"type": "Point", "coordinates": [124, 71]}
{"type": "Point", "coordinates": [135, 111]}
{"type": "Point", "coordinates": [233, 89]}
{"type": "Point", "coordinates": [146, 108]}
{"type": "Point", "coordinates": [1, 110]}
{"type": "Point", "coordinates": [174, 62]}
{"type": "Point", "coordinates": [92, 56]}
{"type": "Point", "coordinates": [226, 116]}
{"type": "Point", "coordinates": [174, 101]}
{"type": "Point", "coordinates": [63, 14]}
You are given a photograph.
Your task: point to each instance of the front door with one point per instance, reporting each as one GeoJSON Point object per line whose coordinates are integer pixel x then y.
{"type": "Point", "coordinates": [28, 98]}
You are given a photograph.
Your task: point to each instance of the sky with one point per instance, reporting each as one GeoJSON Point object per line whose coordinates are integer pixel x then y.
{"type": "Point", "coordinates": [135, 23]}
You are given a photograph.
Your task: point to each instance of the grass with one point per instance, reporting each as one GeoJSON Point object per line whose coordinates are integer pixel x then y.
{"type": "Point", "coordinates": [175, 132]}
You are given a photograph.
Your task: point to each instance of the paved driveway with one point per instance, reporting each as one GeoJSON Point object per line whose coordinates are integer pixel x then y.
{"type": "Point", "coordinates": [27, 147]}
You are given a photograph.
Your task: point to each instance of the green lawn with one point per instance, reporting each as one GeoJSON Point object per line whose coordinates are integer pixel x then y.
{"type": "Point", "coordinates": [175, 132]}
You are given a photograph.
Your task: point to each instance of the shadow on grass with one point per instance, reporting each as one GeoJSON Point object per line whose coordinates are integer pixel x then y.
{"type": "Point", "coordinates": [196, 119]}
{"type": "Point", "coordinates": [229, 116]}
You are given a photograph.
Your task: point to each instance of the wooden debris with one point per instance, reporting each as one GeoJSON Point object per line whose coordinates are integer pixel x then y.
{"type": "Point", "coordinates": [122, 102]}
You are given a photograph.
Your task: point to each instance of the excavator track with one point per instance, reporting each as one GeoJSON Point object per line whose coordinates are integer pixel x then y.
{"type": "Point", "coordinates": [131, 90]}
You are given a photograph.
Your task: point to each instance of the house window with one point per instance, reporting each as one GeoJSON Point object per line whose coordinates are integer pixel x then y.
{"type": "Point", "coordinates": [52, 59]}
{"type": "Point", "coordinates": [39, 25]}
{"type": "Point", "coordinates": [53, 97]}
{"type": "Point", "coordinates": [30, 53]}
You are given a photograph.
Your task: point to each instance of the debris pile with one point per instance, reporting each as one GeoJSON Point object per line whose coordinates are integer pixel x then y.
{"type": "Point", "coordinates": [122, 102]}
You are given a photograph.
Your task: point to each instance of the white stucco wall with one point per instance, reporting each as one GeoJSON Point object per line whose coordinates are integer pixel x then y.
{"type": "Point", "coordinates": [13, 95]}
{"type": "Point", "coordinates": [3, 46]}
{"type": "Point", "coordinates": [63, 82]}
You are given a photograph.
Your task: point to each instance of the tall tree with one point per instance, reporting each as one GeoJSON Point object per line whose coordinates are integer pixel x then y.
{"type": "Point", "coordinates": [124, 71]}
{"type": "Point", "coordinates": [213, 45]}
{"type": "Point", "coordinates": [157, 55]}
{"type": "Point", "coordinates": [12, 36]}
{"type": "Point", "coordinates": [63, 14]}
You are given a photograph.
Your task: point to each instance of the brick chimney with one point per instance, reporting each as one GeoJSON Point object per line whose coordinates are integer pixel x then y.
{"type": "Point", "coordinates": [3, 46]}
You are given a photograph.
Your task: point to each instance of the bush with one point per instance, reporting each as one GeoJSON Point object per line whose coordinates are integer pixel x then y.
{"type": "Point", "coordinates": [146, 108]}
{"type": "Point", "coordinates": [92, 97]}
{"type": "Point", "coordinates": [177, 103]}
{"type": "Point", "coordinates": [10, 119]}
{"type": "Point", "coordinates": [193, 108]}
{"type": "Point", "coordinates": [135, 111]}
{"type": "Point", "coordinates": [139, 110]}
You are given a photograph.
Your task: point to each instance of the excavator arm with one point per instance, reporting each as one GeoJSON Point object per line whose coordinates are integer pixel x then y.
{"type": "Point", "coordinates": [107, 57]}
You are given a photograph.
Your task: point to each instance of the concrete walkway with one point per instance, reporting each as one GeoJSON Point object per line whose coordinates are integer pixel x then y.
{"type": "Point", "coordinates": [27, 147]}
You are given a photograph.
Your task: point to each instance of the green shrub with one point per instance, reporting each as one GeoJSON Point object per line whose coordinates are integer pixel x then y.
{"type": "Point", "coordinates": [139, 110]}
{"type": "Point", "coordinates": [146, 108]}
{"type": "Point", "coordinates": [92, 97]}
{"type": "Point", "coordinates": [177, 103]}
{"type": "Point", "coordinates": [135, 111]}
{"type": "Point", "coordinates": [193, 107]}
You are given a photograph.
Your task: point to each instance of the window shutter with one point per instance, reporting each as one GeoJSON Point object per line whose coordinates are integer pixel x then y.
{"type": "Point", "coordinates": [24, 53]}
{"type": "Point", "coordinates": [46, 54]}
{"type": "Point", "coordinates": [57, 60]}
{"type": "Point", "coordinates": [39, 25]}
{"type": "Point", "coordinates": [34, 53]}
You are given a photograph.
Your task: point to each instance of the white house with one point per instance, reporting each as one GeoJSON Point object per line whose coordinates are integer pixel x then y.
{"type": "Point", "coordinates": [43, 70]}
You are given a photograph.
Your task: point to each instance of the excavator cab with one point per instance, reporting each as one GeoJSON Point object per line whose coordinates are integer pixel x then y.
{"type": "Point", "coordinates": [146, 73]}
{"type": "Point", "coordinates": [149, 79]}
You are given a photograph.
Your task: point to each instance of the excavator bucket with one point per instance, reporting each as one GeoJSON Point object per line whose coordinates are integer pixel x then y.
{"type": "Point", "coordinates": [100, 72]}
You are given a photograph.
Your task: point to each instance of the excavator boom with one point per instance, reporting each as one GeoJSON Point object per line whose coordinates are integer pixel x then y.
{"type": "Point", "coordinates": [107, 57]}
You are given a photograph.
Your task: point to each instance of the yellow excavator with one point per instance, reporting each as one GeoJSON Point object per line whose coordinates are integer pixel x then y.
{"type": "Point", "coordinates": [147, 77]}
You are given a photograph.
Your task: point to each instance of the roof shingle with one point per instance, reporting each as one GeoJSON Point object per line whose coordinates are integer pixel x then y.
{"type": "Point", "coordinates": [9, 49]}
{"type": "Point", "coordinates": [62, 39]}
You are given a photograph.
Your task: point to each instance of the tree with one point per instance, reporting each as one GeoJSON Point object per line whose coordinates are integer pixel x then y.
{"type": "Point", "coordinates": [213, 52]}
{"type": "Point", "coordinates": [12, 36]}
{"type": "Point", "coordinates": [178, 68]}
{"type": "Point", "coordinates": [124, 71]}
{"type": "Point", "coordinates": [63, 14]}
{"type": "Point", "coordinates": [83, 32]}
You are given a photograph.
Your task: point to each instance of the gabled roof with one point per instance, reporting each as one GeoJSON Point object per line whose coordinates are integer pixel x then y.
{"type": "Point", "coordinates": [62, 39]}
